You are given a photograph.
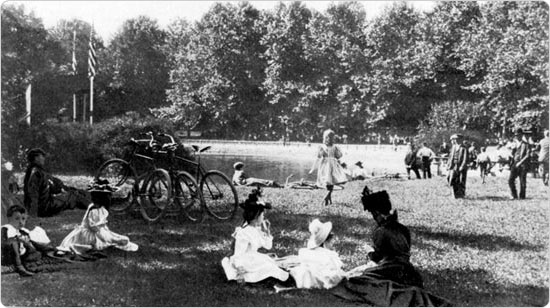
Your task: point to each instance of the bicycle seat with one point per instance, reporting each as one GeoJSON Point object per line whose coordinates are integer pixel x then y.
{"type": "Point", "coordinates": [198, 149]}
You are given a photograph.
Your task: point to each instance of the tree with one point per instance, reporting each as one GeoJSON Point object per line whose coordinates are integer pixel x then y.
{"type": "Point", "coordinates": [392, 83]}
{"type": "Point", "coordinates": [506, 54]}
{"type": "Point", "coordinates": [334, 49]}
{"type": "Point", "coordinates": [137, 66]}
{"type": "Point", "coordinates": [288, 70]}
{"type": "Point", "coordinates": [220, 71]}
{"type": "Point", "coordinates": [28, 57]}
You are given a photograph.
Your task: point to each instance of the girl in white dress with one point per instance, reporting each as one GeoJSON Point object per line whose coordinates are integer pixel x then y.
{"type": "Point", "coordinates": [93, 233]}
{"type": "Point", "coordinates": [330, 172]}
{"type": "Point", "coordinates": [319, 266]}
{"type": "Point", "coordinates": [247, 264]}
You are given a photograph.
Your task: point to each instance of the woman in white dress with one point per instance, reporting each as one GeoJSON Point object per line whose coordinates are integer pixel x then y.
{"type": "Point", "coordinates": [247, 264]}
{"type": "Point", "coordinates": [93, 233]}
{"type": "Point", "coordinates": [329, 170]}
{"type": "Point", "coordinates": [319, 266]}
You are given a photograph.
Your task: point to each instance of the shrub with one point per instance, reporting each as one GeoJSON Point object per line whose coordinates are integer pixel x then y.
{"type": "Point", "coordinates": [79, 147]}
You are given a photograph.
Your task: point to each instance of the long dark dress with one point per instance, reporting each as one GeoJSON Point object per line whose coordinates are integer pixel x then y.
{"type": "Point", "coordinates": [394, 281]}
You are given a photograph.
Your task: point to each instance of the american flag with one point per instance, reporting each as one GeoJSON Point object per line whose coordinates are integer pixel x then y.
{"type": "Point", "coordinates": [92, 60]}
{"type": "Point", "coordinates": [74, 63]}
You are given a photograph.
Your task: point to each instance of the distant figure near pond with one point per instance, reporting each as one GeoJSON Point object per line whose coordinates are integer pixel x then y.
{"type": "Point", "coordinates": [241, 178]}
{"type": "Point", "coordinates": [329, 170]}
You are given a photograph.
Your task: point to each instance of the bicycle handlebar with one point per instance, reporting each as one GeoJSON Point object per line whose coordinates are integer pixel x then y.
{"type": "Point", "coordinates": [169, 136]}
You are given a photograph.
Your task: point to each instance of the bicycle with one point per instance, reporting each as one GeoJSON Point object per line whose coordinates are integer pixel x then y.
{"type": "Point", "coordinates": [151, 190]}
{"type": "Point", "coordinates": [187, 197]}
{"type": "Point", "coordinates": [217, 192]}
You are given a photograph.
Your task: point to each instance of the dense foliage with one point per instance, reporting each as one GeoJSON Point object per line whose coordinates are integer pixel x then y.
{"type": "Point", "coordinates": [239, 72]}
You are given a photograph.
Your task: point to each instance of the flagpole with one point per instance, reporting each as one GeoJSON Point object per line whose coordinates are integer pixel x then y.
{"type": "Point", "coordinates": [74, 73]}
{"type": "Point", "coordinates": [74, 107]}
{"type": "Point", "coordinates": [91, 100]}
{"type": "Point", "coordinates": [28, 103]}
{"type": "Point", "coordinates": [91, 72]}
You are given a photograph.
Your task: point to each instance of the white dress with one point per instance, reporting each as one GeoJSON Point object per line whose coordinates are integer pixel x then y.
{"type": "Point", "coordinates": [93, 233]}
{"type": "Point", "coordinates": [318, 268]}
{"type": "Point", "coordinates": [247, 263]}
{"type": "Point", "coordinates": [329, 172]}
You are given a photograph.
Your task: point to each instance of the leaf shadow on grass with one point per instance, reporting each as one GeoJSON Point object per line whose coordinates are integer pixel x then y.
{"type": "Point", "coordinates": [477, 288]}
{"type": "Point", "coordinates": [478, 241]}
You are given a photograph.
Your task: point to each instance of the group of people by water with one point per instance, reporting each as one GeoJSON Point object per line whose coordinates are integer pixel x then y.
{"type": "Point", "coordinates": [387, 266]}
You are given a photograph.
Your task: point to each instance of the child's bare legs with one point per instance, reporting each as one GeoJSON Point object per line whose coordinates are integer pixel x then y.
{"type": "Point", "coordinates": [328, 197]}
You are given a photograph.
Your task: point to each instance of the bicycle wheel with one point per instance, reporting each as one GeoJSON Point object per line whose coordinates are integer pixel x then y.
{"type": "Point", "coordinates": [188, 197]}
{"type": "Point", "coordinates": [155, 195]}
{"type": "Point", "coordinates": [219, 195]}
{"type": "Point", "coordinates": [120, 174]}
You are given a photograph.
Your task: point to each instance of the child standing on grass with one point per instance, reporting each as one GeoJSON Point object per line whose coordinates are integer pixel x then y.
{"type": "Point", "coordinates": [17, 247]}
{"type": "Point", "coordinates": [329, 170]}
{"type": "Point", "coordinates": [93, 233]}
{"type": "Point", "coordinates": [247, 264]}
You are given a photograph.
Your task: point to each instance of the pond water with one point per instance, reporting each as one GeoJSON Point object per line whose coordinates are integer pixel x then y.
{"type": "Point", "coordinates": [265, 167]}
{"type": "Point", "coordinates": [278, 166]}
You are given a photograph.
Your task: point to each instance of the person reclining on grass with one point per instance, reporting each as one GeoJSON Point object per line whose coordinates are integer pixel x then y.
{"type": "Point", "coordinates": [46, 195]}
{"type": "Point", "coordinates": [247, 264]}
{"type": "Point", "coordinates": [240, 178]}
{"type": "Point", "coordinates": [93, 235]}
{"type": "Point", "coordinates": [389, 278]}
{"type": "Point", "coordinates": [18, 243]}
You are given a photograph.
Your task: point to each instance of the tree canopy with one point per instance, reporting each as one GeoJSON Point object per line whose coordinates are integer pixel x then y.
{"type": "Point", "coordinates": [239, 72]}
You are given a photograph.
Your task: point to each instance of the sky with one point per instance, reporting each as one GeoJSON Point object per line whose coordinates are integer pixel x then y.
{"type": "Point", "coordinates": [108, 16]}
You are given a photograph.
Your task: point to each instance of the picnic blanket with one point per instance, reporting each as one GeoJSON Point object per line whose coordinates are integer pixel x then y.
{"type": "Point", "coordinates": [53, 262]}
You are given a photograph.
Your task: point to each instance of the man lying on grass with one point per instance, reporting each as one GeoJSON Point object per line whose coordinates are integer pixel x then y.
{"type": "Point", "coordinates": [46, 195]}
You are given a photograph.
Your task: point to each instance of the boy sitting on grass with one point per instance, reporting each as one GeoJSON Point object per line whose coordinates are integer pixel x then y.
{"type": "Point", "coordinates": [17, 247]}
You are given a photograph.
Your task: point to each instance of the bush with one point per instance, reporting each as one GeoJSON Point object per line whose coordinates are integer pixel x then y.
{"type": "Point", "coordinates": [79, 147]}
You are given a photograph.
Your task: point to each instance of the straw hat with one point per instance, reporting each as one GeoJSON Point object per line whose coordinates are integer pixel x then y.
{"type": "Point", "coordinates": [319, 233]}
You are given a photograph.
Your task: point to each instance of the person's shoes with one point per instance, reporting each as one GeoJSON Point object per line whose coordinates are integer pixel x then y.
{"type": "Point", "coordinates": [22, 271]}
{"type": "Point", "coordinates": [513, 198]}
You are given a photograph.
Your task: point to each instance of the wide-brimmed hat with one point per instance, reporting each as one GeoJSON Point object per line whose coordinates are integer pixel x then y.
{"type": "Point", "coordinates": [32, 153]}
{"type": "Point", "coordinates": [238, 165]}
{"type": "Point", "coordinates": [319, 233]}
{"type": "Point", "coordinates": [378, 201]}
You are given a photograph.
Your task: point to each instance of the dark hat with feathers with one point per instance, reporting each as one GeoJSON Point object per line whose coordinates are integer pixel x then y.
{"type": "Point", "coordinates": [378, 201]}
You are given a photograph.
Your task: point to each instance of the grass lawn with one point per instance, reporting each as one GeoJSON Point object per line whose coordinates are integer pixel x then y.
{"type": "Point", "coordinates": [484, 250]}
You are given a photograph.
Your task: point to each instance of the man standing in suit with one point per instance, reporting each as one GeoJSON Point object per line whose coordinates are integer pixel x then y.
{"type": "Point", "coordinates": [519, 166]}
{"type": "Point", "coordinates": [458, 166]}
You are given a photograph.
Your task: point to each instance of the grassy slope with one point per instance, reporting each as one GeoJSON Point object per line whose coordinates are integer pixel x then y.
{"type": "Point", "coordinates": [481, 251]}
